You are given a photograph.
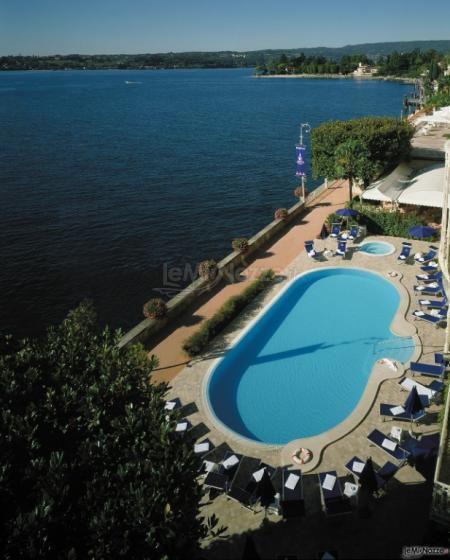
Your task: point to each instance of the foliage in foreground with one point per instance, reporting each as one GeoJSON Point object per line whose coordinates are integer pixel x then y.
{"type": "Point", "coordinates": [197, 342]}
{"type": "Point", "coordinates": [91, 467]}
{"type": "Point", "coordinates": [384, 141]}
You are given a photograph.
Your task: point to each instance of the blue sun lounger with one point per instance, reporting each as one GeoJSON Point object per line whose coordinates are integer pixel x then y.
{"type": "Point", "coordinates": [333, 500]}
{"type": "Point", "coordinates": [389, 446]}
{"type": "Point", "coordinates": [439, 358]}
{"type": "Point", "coordinates": [335, 230]}
{"type": "Point", "coordinates": [405, 252]}
{"type": "Point", "coordinates": [430, 267]}
{"type": "Point", "coordinates": [428, 257]}
{"type": "Point", "coordinates": [434, 304]}
{"type": "Point", "coordinates": [430, 277]}
{"type": "Point", "coordinates": [428, 369]}
{"type": "Point", "coordinates": [292, 499]}
{"type": "Point", "coordinates": [398, 412]}
{"type": "Point", "coordinates": [430, 289]}
{"type": "Point", "coordinates": [310, 251]}
{"type": "Point", "coordinates": [355, 466]}
{"type": "Point", "coordinates": [341, 248]}
{"type": "Point", "coordinates": [428, 318]}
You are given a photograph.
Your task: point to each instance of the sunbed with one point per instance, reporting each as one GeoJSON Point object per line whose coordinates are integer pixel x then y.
{"type": "Point", "coordinates": [428, 317]}
{"type": "Point", "coordinates": [428, 369]}
{"type": "Point", "coordinates": [173, 404]}
{"type": "Point", "coordinates": [439, 358]}
{"type": "Point", "coordinates": [385, 473]}
{"type": "Point", "coordinates": [429, 391]}
{"type": "Point", "coordinates": [244, 483]}
{"type": "Point", "coordinates": [426, 258]}
{"type": "Point", "coordinates": [221, 479]}
{"type": "Point", "coordinates": [335, 230]}
{"type": "Point", "coordinates": [310, 251]}
{"type": "Point", "coordinates": [333, 500]}
{"type": "Point", "coordinates": [430, 267]}
{"type": "Point", "coordinates": [432, 289]}
{"type": "Point", "coordinates": [341, 248]}
{"type": "Point", "coordinates": [398, 412]}
{"type": "Point", "coordinates": [182, 427]}
{"type": "Point", "coordinates": [429, 277]}
{"type": "Point", "coordinates": [434, 304]}
{"type": "Point", "coordinates": [292, 500]}
{"type": "Point", "coordinates": [405, 252]}
{"type": "Point", "coordinates": [388, 445]}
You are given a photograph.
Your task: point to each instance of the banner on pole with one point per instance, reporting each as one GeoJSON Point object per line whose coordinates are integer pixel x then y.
{"type": "Point", "coordinates": [300, 161]}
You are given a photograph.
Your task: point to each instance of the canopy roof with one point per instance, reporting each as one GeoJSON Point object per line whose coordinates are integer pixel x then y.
{"type": "Point", "coordinates": [408, 186]}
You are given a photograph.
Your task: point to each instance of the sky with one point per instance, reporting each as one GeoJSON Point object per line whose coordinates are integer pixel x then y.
{"type": "Point", "coordinates": [42, 27]}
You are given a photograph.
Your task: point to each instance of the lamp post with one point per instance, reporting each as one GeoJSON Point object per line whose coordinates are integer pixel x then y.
{"type": "Point", "coordinates": [307, 128]}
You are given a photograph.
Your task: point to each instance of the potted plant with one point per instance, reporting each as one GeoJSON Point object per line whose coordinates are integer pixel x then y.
{"type": "Point", "coordinates": [298, 192]}
{"type": "Point", "coordinates": [281, 214]}
{"type": "Point", "coordinates": [208, 270]}
{"type": "Point", "coordinates": [155, 308]}
{"type": "Point", "coordinates": [240, 244]}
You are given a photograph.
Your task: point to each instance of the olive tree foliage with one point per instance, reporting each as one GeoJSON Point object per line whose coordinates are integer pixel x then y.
{"type": "Point", "coordinates": [379, 142]}
{"type": "Point", "coordinates": [91, 464]}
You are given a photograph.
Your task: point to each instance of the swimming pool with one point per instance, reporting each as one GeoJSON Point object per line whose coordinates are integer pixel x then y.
{"type": "Point", "coordinates": [301, 368]}
{"type": "Point", "coordinates": [377, 248]}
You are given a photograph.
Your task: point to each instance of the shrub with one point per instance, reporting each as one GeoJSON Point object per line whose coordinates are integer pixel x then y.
{"type": "Point", "coordinates": [197, 342]}
{"type": "Point", "coordinates": [396, 224]}
{"type": "Point", "coordinates": [208, 270]}
{"type": "Point", "coordinates": [298, 192]}
{"type": "Point", "coordinates": [155, 309]}
{"type": "Point", "coordinates": [281, 214]}
{"type": "Point", "coordinates": [240, 244]}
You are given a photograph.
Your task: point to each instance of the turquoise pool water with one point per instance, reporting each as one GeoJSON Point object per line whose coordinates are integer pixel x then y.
{"type": "Point", "coordinates": [377, 248]}
{"type": "Point", "coordinates": [303, 365]}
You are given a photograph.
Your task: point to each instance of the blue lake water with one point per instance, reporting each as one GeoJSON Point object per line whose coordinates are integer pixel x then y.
{"type": "Point", "coordinates": [102, 182]}
{"type": "Point", "coordinates": [304, 365]}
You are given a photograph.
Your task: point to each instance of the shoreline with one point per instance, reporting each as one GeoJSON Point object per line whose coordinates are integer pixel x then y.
{"type": "Point", "coordinates": [338, 77]}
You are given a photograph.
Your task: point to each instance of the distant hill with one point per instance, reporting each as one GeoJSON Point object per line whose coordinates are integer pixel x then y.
{"type": "Point", "coordinates": [371, 50]}
{"type": "Point", "coordinates": [206, 59]}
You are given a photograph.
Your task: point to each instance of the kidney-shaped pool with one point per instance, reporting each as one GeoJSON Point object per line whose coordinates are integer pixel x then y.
{"type": "Point", "coordinates": [302, 366]}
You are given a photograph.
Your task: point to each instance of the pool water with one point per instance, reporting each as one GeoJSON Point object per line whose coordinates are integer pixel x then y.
{"type": "Point", "coordinates": [377, 248]}
{"type": "Point", "coordinates": [303, 365]}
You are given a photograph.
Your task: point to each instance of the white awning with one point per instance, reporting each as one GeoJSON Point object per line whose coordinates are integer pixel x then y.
{"type": "Point", "coordinates": [425, 188]}
{"type": "Point", "coordinates": [388, 188]}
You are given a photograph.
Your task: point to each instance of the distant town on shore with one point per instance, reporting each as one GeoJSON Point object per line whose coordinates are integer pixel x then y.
{"type": "Point", "coordinates": [407, 59]}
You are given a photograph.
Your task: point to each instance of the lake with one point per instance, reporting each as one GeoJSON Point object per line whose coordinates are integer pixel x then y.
{"type": "Point", "coordinates": [104, 183]}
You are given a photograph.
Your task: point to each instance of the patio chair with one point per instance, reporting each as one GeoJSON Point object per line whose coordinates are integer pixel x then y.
{"type": "Point", "coordinates": [310, 251]}
{"type": "Point", "coordinates": [427, 257]}
{"type": "Point", "coordinates": [431, 391]}
{"type": "Point", "coordinates": [388, 445]}
{"type": "Point", "coordinates": [428, 369]}
{"type": "Point", "coordinates": [354, 233]}
{"type": "Point", "coordinates": [405, 252]}
{"type": "Point", "coordinates": [428, 317]}
{"type": "Point", "coordinates": [335, 230]}
{"type": "Point", "coordinates": [430, 267]}
{"type": "Point", "coordinates": [341, 248]}
{"type": "Point", "coordinates": [292, 500]}
{"type": "Point", "coordinates": [333, 500]}
{"type": "Point", "coordinates": [434, 304]}
{"type": "Point", "coordinates": [398, 412]}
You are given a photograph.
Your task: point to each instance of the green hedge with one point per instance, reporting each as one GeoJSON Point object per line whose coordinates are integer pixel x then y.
{"type": "Point", "coordinates": [197, 342]}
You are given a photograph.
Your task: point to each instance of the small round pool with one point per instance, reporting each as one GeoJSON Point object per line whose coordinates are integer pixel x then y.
{"type": "Point", "coordinates": [376, 248]}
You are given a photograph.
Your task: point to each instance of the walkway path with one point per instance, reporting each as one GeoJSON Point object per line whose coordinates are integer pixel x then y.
{"type": "Point", "coordinates": [277, 256]}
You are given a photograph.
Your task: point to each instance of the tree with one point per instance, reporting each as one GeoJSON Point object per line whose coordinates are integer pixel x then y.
{"type": "Point", "coordinates": [91, 465]}
{"type": "Point", "coordinates": [352, 161]}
